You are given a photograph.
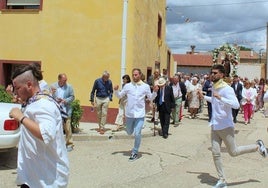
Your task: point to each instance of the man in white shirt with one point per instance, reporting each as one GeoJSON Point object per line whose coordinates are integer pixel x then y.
{"type": "Point", "coordinates": [223, 100]}
{"type": "Point", "coordinates": [42, 155]}
{"type": "Point", "coordinates": [178, 100]}
{"type": "Point", "coordinates": [136, 91]}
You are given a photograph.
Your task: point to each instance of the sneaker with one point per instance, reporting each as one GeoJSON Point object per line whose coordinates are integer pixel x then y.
{"type": "Point", "coordinates": [176, 125]}
{"type": "Point", "coordinates": [262, 149]}
{"type": "Point", "coordinates": [221, 184]}
{"type": "Point", "coordinates": [70, 147]}
{"type": "Point", "coordinates": [133, 157]}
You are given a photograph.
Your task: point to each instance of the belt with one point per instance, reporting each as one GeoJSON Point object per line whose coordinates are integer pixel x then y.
{"type": "Point", "coordinates": [178, 97]}
{"type": "Point", "coordinates": [102, 96]}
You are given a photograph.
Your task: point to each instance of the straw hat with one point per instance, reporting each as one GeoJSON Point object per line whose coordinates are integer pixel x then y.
{"type": "Point", "coordinates": [162, 81]}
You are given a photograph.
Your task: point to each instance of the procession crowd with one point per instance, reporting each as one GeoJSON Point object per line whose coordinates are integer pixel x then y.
{"type": "Point", "coordinates": [250, 94]}
{"type": "Point", "coordinates": [225, 98]}
{"type": "Point", "coordinates": [46, 111]}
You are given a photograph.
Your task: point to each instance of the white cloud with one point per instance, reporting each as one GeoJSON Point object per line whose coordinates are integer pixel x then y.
{"type": "Point", "coordinates": [208, 24]}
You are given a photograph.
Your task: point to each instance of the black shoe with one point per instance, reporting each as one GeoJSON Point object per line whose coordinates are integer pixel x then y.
{"type": "Point", "coordinates": [133, 157]}
{"type": "Point", "coordinates": [235, 120]}
{"type": "Point", "coordinates": [152, 120]}
{"type": "Point", "coordinates": [165, 136]}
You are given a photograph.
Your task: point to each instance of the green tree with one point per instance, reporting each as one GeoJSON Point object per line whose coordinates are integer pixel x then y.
{"type": "Point", "coordinates": [243, 48]}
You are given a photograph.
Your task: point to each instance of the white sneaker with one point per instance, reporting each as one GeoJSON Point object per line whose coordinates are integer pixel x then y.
{"type": "Point", "coordinates": [70, 148]}
{"type": "Point", "coordinates": [220, 184]}
{"type": "Point", "coordinates": [262, 149]}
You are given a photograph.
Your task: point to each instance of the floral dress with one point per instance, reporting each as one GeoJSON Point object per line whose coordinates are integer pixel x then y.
{"type": "Point", "coordinates": [193, 96]}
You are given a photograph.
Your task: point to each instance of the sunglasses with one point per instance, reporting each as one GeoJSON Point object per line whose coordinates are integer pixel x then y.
{"type": "Point", "coordinates": [214, 72]}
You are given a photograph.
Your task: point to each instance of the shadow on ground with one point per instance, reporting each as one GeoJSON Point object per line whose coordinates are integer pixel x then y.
{"type": "Point", "coordinates": [206, 178]}
{"type": "Point", "coordinates": [8, 159]}
{"type": "Point", "coordinates": [97, 129]}
{"type": "Point", "coordinates": [128, 153]}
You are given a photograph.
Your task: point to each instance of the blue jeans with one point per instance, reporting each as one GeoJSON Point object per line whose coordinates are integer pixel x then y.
{"type": "Point", "coordinates": [134, 125]}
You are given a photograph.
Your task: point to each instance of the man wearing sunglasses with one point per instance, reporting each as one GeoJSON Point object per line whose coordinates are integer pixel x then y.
{"type": "Point", "coordinates": [223, 100]}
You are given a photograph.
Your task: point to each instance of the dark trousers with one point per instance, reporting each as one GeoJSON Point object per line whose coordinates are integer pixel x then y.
{"type": "Point", "coordinates": [24, 186]}
{"type": "Point", "coordinates": [235, 113]}
{"type": "Point", "coordinates": [164, 117]}
{"type": "Point", "coordinates": [209, 110]}
{"type": "Point", "coordinates": [186, 104]}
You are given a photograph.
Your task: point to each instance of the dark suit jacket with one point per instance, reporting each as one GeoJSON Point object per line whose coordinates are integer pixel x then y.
{"type": "Point", "coordinates": [238, 91]}
{"type": "Point", "coordinates": [169, 100]}
{"type": "Point", "coordinates": [183, 90]}
{"type": "Point", "coordinates": [206, 87]}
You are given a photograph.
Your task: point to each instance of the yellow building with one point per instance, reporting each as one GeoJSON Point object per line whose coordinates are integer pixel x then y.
{"type": "Point", "coordinates": [83, 38]}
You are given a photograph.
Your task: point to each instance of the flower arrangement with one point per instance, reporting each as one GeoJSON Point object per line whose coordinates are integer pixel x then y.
{"type": "Point", "coordinates": [231, 53]}
{"type": "Point", "coordinates": [228, 49]}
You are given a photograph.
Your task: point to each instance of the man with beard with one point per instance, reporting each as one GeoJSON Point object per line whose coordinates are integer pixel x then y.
{"type": "Point", "coordinates": [136, 91]}
{"type": "Point", "coordinates": [223, 99]}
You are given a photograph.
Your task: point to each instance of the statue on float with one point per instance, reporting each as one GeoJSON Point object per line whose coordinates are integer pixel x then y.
{"type": "Point", "coordinates": [229, 58]}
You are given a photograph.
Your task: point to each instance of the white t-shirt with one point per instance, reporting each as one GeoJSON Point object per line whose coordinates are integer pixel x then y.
{"type": "Point", "coordinates": [43, 163]}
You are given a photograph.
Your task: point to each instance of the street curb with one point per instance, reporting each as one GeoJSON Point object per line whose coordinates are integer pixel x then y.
{"type": "Point", "coordinates": [89, 133]}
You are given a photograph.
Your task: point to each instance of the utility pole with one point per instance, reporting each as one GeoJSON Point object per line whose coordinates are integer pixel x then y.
{"type": "Point", "coordinates": [260, 55]}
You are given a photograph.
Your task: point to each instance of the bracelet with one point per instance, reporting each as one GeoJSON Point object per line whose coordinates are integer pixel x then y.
{"type": "Point", "coordinates": [22, 119]}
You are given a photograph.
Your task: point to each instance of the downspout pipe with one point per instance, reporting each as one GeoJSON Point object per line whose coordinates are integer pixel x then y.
{"type": "Point", "coordinates": [124, 39]}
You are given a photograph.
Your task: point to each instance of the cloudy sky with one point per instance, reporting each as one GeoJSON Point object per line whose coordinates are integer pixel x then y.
{"type": "Point", "coordinates": [209, 24]}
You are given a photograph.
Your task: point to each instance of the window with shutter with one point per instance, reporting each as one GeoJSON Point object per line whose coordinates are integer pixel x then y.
{"type": "Point", "coordinates": [24, 4]}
